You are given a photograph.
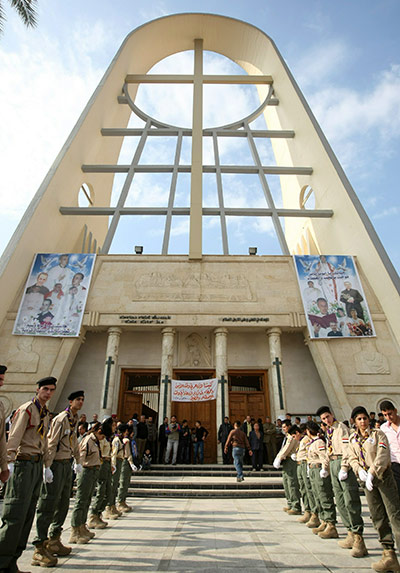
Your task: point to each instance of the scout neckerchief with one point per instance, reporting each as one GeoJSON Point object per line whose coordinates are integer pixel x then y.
{"type": "Point", "coordinates": [313, 440]}
{"type": "Point", "coordinates": [72, 423]}
{"type": "Point", "coordinates": [43, 411]}
{"type": "Point", "coordinates": [329, 435]}
{"type": "Point", "coordinates": [360, 441]}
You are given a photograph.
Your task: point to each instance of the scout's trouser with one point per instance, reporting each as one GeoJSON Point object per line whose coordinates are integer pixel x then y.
{"type": "Point", "coordinates": [323, 495]}
{"type": "Point", "coordinates": [347, 497]}
{"type": "Point", "coordinates": [19, 506]}
{"type": "Point", "coordinates": [291, 484]}
{"type": "Point", "coordinates": [305, 488]}
{"type": "Point", "coordinates": [85, 487]}
{"type": "Point", "coordinates": [124, 481]}
{"type": "Point", "coordinates": [384, 506]}
{"type": "Point", "coordinates": [115, 481]}
{"type": "Point", "coordinates": [54, 502]}
{"type": "Point", "coordinates": [103, 488]}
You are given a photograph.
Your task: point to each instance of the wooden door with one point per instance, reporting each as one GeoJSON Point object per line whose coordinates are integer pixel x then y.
{"type": "Point", "coordinates": [131, 403]}
{"type": "Point", "coordinates": [242, 404]}
{"type": "Point", "coordinates": [206, 413]}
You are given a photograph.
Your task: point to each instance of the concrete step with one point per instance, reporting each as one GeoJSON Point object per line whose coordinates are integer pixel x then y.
{"type": "Point", "coordinates": [227, 493]}
{"type": "Point", "coordinates": [176, 472]}
{"type": "Point", "coordinates": [206, 483]}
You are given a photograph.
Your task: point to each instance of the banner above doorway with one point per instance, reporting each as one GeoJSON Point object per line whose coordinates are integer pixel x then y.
{"type": "Point", "coordinates": [194, 390]}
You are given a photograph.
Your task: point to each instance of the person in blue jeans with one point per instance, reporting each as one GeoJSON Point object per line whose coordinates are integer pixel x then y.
{"type": "Point", "coordinates": [239, 442]}
{"type": "Point", "coordinates": [200, 437]}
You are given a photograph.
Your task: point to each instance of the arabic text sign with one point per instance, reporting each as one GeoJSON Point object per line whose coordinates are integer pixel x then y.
{"type": "Point", "coordinates": [194, 390]}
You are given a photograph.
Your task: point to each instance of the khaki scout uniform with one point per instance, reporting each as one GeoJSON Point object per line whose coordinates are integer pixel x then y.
{"type": "Point", "coordinates": [383, 500]}
{"type": "Point", "coordinates": [86, 482]}
{"type": "Point", "coordinates": [289, 472]}
{"type": "Point", "coordinates": [27, 449]}
{"type": "Point", "coordinates": [346, 492]}
{"type": "Point", "coordinates": [117, 457]}
{"type": "Point", "coordinates": [317, 458]}
{"type": "Point", "coordinates": [126, 471]}
{"type": "Point", "coordinates": [303, 479]}
{"type": "Point", "coordinates": [103, 487]}
{"type": "Point", "coordinates": [54, 497]}
{"type": "Point", "coordinates": [3, 443]}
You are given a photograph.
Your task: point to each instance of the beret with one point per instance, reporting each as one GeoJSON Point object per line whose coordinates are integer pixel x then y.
{"type": "Point", "coordinates": [47, 380]}
{"type": "Point", "coordinates": [76, 394]}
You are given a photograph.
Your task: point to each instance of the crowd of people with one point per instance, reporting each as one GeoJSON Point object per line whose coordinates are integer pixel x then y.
{"type": "Point", "coordinates": [323, 465]}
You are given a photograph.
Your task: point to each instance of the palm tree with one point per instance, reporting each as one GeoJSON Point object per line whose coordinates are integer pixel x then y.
{"type": "Point", "coordinates": [25, 8]}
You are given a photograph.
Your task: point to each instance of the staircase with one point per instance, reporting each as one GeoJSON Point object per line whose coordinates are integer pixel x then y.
{"type": "Point", "coordinates": [205, 481]}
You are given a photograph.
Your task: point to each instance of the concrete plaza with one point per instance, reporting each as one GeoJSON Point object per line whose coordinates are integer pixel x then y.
{"type": "Point", "coordinates": [211, 535]}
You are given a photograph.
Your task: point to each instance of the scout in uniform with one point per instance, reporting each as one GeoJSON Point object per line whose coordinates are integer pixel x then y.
{"type": "Point", "coordinates": [369, 457]}
{"type": "Point", "coordinates": [54, 497]}
{"type": "Point", "coordinates": [310, 516]}
{"type": "Point", "coordinates": [26, 451]}
{"type": "Point", "coordinates": [318, 467]}
{"type": "Point", "coordinates": [289, 471]}
{"type": "Point", "coordinates": [91, 461]}
{"type": "Point", "coordinates": [117, 457]}
{"type": "Point", "coordinates": [4, 473]}
{"type": "Point", "coordinates": [344, 483]}
{"type": "Point", "coordinates": [103, 487]}
{"type": "Point", "coordinates": [126, 472]}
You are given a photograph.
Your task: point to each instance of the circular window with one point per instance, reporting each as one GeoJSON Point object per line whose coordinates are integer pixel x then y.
{"type": "Point", "coordinates": [307, 198]}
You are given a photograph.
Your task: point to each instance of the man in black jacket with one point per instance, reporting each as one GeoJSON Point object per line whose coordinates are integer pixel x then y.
{"type": "Point", "coordinates": [162, 440]}
{"type": "Point", "coordinates": [223, 434]}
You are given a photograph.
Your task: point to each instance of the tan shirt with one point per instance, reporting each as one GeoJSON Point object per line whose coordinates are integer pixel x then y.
{"type": "Point", "coordinates": [24, 437]}
{"type": "Point", "coordinates": [127, 450]}
{"type": "Point", "coordinates": [90, 451]}
{"type": "Point", "coordinates": [290, 447]}
{"type": "Point", "coordinates": [117, 450]}
{"type": "Point", "coordinates": [3, 443]}
{"type": "Point", "coordinates": [105, 448]}
{"type": "Point", "coordinates": [340, 441]}
{"type": "Point", "coordinates": [376, 453]}
{"type": "Point", "coordinates": [63, 442]}
{"type": "Point", "coordinates": [302, 451]}
{"type": "Point", "coordinates": [317, 453]}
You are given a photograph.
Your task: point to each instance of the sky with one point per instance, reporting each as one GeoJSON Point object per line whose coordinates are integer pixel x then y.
{"type": "Point", "coordinates": [345, 56]}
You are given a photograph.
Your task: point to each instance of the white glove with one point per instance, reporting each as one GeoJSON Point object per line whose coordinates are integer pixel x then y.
{"type": "Point", "coordinates": [308, 471]}
{"type": "Point", "coordinates": [47, 475]}
{"type": "Point", "coordinates": [368, 484]}
{"type": "Point", "coordinates": [133, 467]}
{"type": "Point", "coordinates": [294, 457]}
{"type": "Point", "coordinates": [11, 468]}
{"type": "Point", "coordinates": [323, 473]}
{"type": "Point", "coordinates": [343, 475]}
{"type": "Point", "coordinates": [363, 475]}
{"type": "Point", "coordinates": [78, 468]}
{"type": "Point", "coordinates": [277, 463]}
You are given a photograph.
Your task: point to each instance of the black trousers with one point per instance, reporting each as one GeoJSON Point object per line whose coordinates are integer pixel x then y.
{"type": "Point", "coordinates": [257, 459]}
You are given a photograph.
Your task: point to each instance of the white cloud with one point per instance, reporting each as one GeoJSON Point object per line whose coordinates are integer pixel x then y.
{"type": "Point", "coordinates": [390, 212]}
{"type": "Point", "coordinates": [322, 61]}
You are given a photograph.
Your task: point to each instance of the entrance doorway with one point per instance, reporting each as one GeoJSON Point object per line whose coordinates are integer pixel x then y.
{"type": "Point", "coordinates": [203, 411]}
{"type": "Point", "coordinates": [248, 395]}
{"type": "Point", "coordinates": [139, 393]}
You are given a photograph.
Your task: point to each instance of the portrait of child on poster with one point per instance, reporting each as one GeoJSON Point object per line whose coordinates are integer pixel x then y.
{"type": "Point", "coordinates": [55, 295]}
{"type": "Point", "coordinates": [333, 298]}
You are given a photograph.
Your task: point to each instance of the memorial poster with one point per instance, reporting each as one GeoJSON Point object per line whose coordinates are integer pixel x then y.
{"type": "Point", "coordinates": [333, 298]}
{"type": "Point", "coordinates": [55, 295]}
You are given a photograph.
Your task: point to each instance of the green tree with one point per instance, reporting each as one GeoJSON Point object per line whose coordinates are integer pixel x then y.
{"type": "Point", "coordinates": [25, 8]}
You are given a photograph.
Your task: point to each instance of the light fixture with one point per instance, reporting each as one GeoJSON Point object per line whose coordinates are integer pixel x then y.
{"type": "Point", "coordinates": [252, 250]}
{"type": "Point", "coordinates": [138, 249]}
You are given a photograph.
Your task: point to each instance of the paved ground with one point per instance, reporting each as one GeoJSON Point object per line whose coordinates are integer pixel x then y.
{"type": "Point", "coordinates": [211, 536]}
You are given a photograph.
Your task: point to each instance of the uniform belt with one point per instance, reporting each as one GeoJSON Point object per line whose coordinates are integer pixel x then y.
{"type": "Point", "coordinates": [28, 458]}
{"type": "Point", "coordinates": [299, 463]}
{"type": "Point", "coordinates": [315, 465]}
{"type": "Point", "coordinates": [66, 461]}
{"type": "Point", "coordinates": [338, 457]}
{"type": "Point", "coordinates": [106, 459]}
{"type": "Point", "coordinates": [91, 467]}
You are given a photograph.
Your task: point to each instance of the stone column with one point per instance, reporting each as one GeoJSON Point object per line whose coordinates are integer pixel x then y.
{"type": "Point", "coordinates": [221, 369]}
{"type": "Point", "coordinates": [277, 389]}
{"type": "Point", "coordinates": [167, 356]}
{"type": "Point", "coordinates": [110, 371]}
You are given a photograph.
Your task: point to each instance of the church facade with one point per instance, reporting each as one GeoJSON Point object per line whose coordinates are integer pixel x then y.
{"type": "Point", "coordinates": [238, 318]}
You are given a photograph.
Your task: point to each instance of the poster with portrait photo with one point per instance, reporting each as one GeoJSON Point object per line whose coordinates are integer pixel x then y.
{"type": "Point", "coordinates": [333, 298]}
{"type": "Point", "coordinates": [55, 295]}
